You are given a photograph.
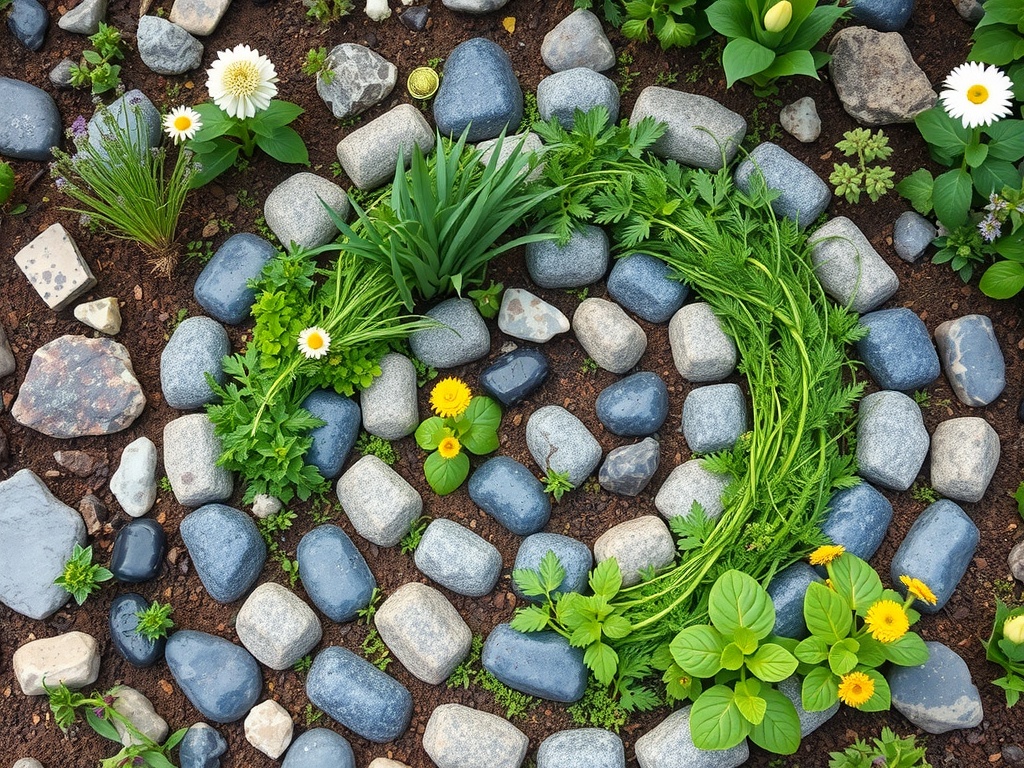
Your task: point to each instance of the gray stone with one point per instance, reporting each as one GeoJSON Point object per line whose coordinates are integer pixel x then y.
{"type": "Point", "coordinates": [268, 728]}
{"type": "Point", "coordinates": [378, 501]}
{"type": "Point", "coordinates": [276, 626]}
{"type": "Point", "coordinates": [389, 403]}
{"type": "Point", "coordinates": [898, 350]}
{"type": "Point", "coordinates": [690, 483]}
{"type": "Point", "coordinates": [787, 590]}
{"type": "Point", "coordinates": [320, 748]}
{"type": "Point", "coordinates": [222, 288]}
{"type": "Point", "coordinates": [802, 195]}
{"type": "Point", "coordinates": [134, 482]}
{"type": "Point", "coordinates": [369, 155]}
{"type": "Point", "coordinates": [196, 348]}
{"type": "Point", "coordinates": [333, 440]}
{"type": "Point", "coordinates": [191, 450]}
{"type": "Point", "coordinates": [577, 41]}
{"type": "Point", "coordinates": [939, 695]}
{"type": "Point", "coordinates": [85, 18]}
{"type": "Point", "coordinates": [668, 745]}
{"type": "Point", "coordinates": [876, 77]}
{"type": "Point", "coordinates": [970, 10]}
{"type": "Point", "coordinates": [800, 120]}
{"type": "Point", "coordinates": [1016, 561]}
{"type": "Point", "coordinates": [581, 261]}
{"type": "Point", "coordinates": [334, 573]}
{"type": "Point", "coordinates": [883, 15]}
{"type": "Point", "coordinates": [7, 362]}
{"type": "Point", "coordinates": [28, 21]}
{"type": "Point", "coordinates": [629, 468]}
{"type": "Point", "coordinates": [640, 283]}
{"type": "Point", "coordinates": [60, 75]}
{"type": "Point", "coordinates": [137, 118]}
{"type": "Point", "coordinates": [72, 659]}
{"type": "Point", "coordinates": [479, 92]}
{"type": "Point", "coordinates": [700, 349]}
{"type": "Point", "coordinates": [809, 721]}
{"type": "Point", "coordinates": [362, 78]}
{"type": "Point", "coordinates": [295, 210]}
{"type": "Point", "coordinates": [574, 556]}
{"type": "Point", "coordinates": [458, 559]}
{"type": "Point", "coordinates": [857, 519]}
{"type": "Point", "coordinates": [200, 17]}
{"type": "Point", "coordinates": [849, 269]}
{"type": "Point", "coordinates": [515, 376]}
{"type": "Point", "coordinates": [528, 317]}
{"type": "Point", "coordinates": [461, 737]}
{"type": "Point", "coordinates": [507, 491]}
{"type": "Point", "coordinates": [965, 453]}
{"type": "Point", "coordinates": [31, 122]}
{"type": "Point", "coordinates": [201, 747]}
{"type": "Point", "coordinates": [635, 406]}
{"type": "Point", "coordinates": [462, 339]}
{"type": "Point", "coordinates": [580, 88]}
{"type": "Point", "coordinates": [27, 762]}
{"type": "Point", "coordinates": [911, 235]}
{"type": "Point", "coordinates": [971, 359]}
{"type": "Point", "coordinates": [166, 48]}
{"type": "Point", "coordinates": [477, 7]}
{"type": "Point", "coordinates": [140, 713]}
{"type": "Point", "coordinates": [54, 265]}
{"type": "Point", "coordinates": [700, 132]}
{"type": "Point", "coordinates": [382, 762]}
{"type": "Point", "coordinates": [610, 337]}
{"type": "Point", "coordinates": [221, 679]}
{"type": "Point", "coordinates": [638, 544]}
{"type": "Point", "coordinates": [714, 417]}
{"type": "Point", "coordinates": [891, 440]}
{"type": "Point", "coordinates": [582, 748]}
{"type": "Point", "coordinates": [103, 315]}
{"type": "Point", "coordinates": [226, 549]}
{"type": "Point", "coordinates": [559, 441]}
{"type": "Point", "coordinates": [541, 664]}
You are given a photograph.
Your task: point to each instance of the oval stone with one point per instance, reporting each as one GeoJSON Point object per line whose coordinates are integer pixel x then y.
{"type": "Point", "coordinates": [635, 406]}
{"type": "Point", "coordinates": [541, 664]}
{"type": "Point", "coordinates": [138, 551]}
{"type": "Point", "coordinates": [31, 124]}
{"type": "Point", "coordinates": [226, 549]}
{"type": "Point", "coordinates": [320, 748]}
{"type": "Point", "coordinates": [336, 577]}
{"type": "Point", "coordinates": [138, 650]}
{"type": "Point", "coordinates": [221, 679]}
{"type": "Point", "coordinates": [508, 492]}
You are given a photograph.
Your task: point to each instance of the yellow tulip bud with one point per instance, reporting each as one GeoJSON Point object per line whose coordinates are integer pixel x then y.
{"type": "Point", "coordinates": [1013, 629]}
{"type": "Point", "coordinates": [778, 16]}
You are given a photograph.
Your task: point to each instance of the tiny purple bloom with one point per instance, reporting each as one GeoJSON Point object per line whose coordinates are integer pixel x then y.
{"type": "Point", "coordinates": [79, 127]}
{"type": "Point", "coordinates": [61, 182]}
{"type": "Point", "coordinates": [99, 712]}
{"type": "Point", "coordinates": [879, 762]}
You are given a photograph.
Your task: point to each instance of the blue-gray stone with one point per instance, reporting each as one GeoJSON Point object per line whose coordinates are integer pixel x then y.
{"type": "Point", "coordinates": [415, 18]}
{"type": "Point", "coordinates": [456, 558]}
{"type": "Point", "coordinates": [541, 664]}
{"type": "Point", "coordinates": [883, 15]}
{"type": "Point", "coordinates": [358, 695]}
{"type": "Point", "coordinates": [136, 116]}
{"type": "Point", "coordinates": [560, 442]}
{"type": "Point", "coordinates": [787, 589]}
{"type": "Point", "coordinates": [641, 284]}
{"type": "Point", "coordinates": [138, 551]}
{"type": "Point", "coordinates": [514, 377]}
{"type": "Point", "coordinates": [226, 548]}
{"type": "Point", "coordinates": [333, 440]}
{"type": "Point", "coordinates": [939, 695]}
{"type": "Point", "coordinates": [201, 747]}
{"type": "Point", "coordinates": [137, 649]}
{"type": "Point", "coordinates": [898, 350]}
{"type": "Point", "coordinates": [28, 20]}
{"type": "Point", "coordinates": [714, 417]}
{"type": "Point", "coordinates": [634, 406]}
{"type": "Point", "coordinates": [581, 88]}
{"type": "Point", "coordinates": [574, 556]}
{"type": "Point", "coordinates": [221, 679]}
{"type": "Point", "coordinates": [911, 235]}
{"type": "Point", "coordinates": [971, 359]}
{"type": "Point", "coordinates": [629, 468]}
{"type": "Point", "coordinates": [582, 748]}
{"type": "Point", "coordinates": [857, 519]}
{"type": "Point", "coordinates": [31, 124]}
{"type": "Point", "coordinates": [462, 339]}
{"type": "Point", "coordinates": [334, 574]}
{"type": "Point", "coordinates": [197, 347]}
{"type": "Point", "coordinates": [319, 748]}
{"type": "Point", "coordinates": [581, 261]}
{"type": "Point", "coordinates": [803, 196]}
{"type": "Point", "coordinates": [508, 492]}
{"type": "Point", "coordinates": [222, 288]}
{"type": "Point", "coordinates": [937, 550]}
{"type": "Point", "coordinates": [479, 90]}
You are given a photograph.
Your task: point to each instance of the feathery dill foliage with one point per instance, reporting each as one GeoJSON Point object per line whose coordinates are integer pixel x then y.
{"type": "Point", "coordinates": [755, 272]}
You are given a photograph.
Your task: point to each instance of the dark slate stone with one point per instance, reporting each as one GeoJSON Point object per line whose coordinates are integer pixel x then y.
{"type": "Point", "coordinates": [541, 664]}
{"type": "Point", "coordinates": [478, 90]}
{"type": "Point", "coordinates": [883, 15]}
{"type": "Point", "coordinates": [226, 549]}
{"type": "Point", "coordinates": [802, 195]}
{"type": "Point", "coordinates": [319, 748]}
{"type": "Point", "coordinates": [629, 468]}
{"type": "Point", "coordinates": [857, 519]}
{"type": "Point", "coordinates": [332, 441]}
{"type": "Point", "coordinates": [573, 555]}
{"type": "Point", "coordinates": [138, 551]}
{"type": "Point", "coordinates": [898, 350]}
{"type": "Point", "coordinates": [31, 123]}
{"type": "Point", "coordinates": [634, 406]}
{"type": "Point", "coordinates": [201, 747]}
{"type": "Point", "coordinates": [513, 377]}
{"type": "Point", "coordinates": [640, 283]}
{"type": "Point", "coordinates": [358, 695]}
{"type": "Point", "coordinates": [138, 650]}
{"type": "Point", "coordinates": [334, 574]}
{"type": "Point", "coordinates": [28, 20]}
{"type": "Point", "coordinates": [508, 492]}
{"type": "Point", "coordinates": [787, 590]}
{"type": "Point", "coordinates": [415, 18]}
{"type": "Point", "coordinates": [222, 288]}
{"type": "Point", "coordinates": [221, 679]}
{"type": "Point", "coordinates": [1020, 411]}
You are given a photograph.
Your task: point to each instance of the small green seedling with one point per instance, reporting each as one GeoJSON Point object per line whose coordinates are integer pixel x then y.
{"type": "Point", "coordinates": [82, 577]}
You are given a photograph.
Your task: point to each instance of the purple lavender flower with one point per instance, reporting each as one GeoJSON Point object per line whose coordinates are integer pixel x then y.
{"type": "Point", "coordinates": [99, 712]}
{"type": "Point", "coordinates": [990, 228]}
{"type": "Point", "coordinates": [79, 127]}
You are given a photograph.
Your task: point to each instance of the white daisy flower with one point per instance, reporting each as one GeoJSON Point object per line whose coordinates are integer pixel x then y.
{"type": "Point", "coordinates": [314, 342]}
{"type": "Point", "coordinates": [241, 81]}
{"type": "Point", "coordinates": [977, 94]}
{"type": "Point", "coordinates": [181, 123]}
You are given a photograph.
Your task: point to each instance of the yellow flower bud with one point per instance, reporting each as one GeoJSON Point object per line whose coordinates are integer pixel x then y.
{"type": "Point", "coordinates": [1013, 629]}
{"type": "Point", "coordinates": [778, 16]}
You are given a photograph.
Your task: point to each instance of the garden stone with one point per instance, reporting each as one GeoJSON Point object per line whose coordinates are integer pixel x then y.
{"type": "Point", "coordinates": [461, 737]}
{"type": "Point", "coordinates": [377, 10]}
{"type": "Point", "coordinates": [85, 18]}
{"type": "Point", "coordinates": [32, 124]}
{"type": "Point", "coordinates": [362, 78]}
{"type": "Point", "coordinates": [965, 453]}
{"type": "Point", "coordinates": [222, 288]}
{"type": "Point", "coordinates": [809, 721]}
{"type": "Point", "coordinates": [508, 491]}
{"type": "Point", "coordinates": [7, 361]}
{"type": "Point", "coordinates": [276, 626]}
{"type": "Point", "coordinates": [857, 519]}
{"type": "Point", "coordinates": [226, 549]}
{"type": "Point", "coordinates": [221, 679]}
{"type": "Point", "coordinates": [939, 695]}
{"type": "Point", "coordinates": [140, 713]}
{"type": "Point", "coordinates": [200, 17]}
{"type": "Point", "coordinates": [898, 350]}
{"type": "Point", "coordinates": [60, 75]}
{"type": "Point", "coordinates": [458, 559]}
{"type": "Point", "coordinates": [802, 195]}
{"type": "Point", "coordinates": [577, 41]}
{"type": "Point", "coordinates": [477, 7]}
{"type": "Point", "coordinates": [1016, 561]}
{"type": "Point", "coordinates": [424, 632]}
{"type": "Point", "coordinates": [103, 315]}
{"type": "Point", "coordinates": [333, 440]}
{"type": "Point", "coordinates": [415, 18]}
{"type": "Point", "coordinates": [560, 442]}
{"type": "Point", "coordinates": [137, 649]}
{"type": "Point", "coordinates": [699, 131]}
{"type": "Point", "coordinates": [970, 10]}
{"type": "Point", "coordinates": [714, 417]}
{"type": "Point", "coordinates": [479, 90]}
{"type": "Point", "coordinates": [891, 440]}
{"type": "Point", "coordinates": [528, 317]}
{"type": "Point", "coordinates": [581, 261]}
{"type": "Point", "coordinates": [849, 269]}
{"type": "Point", "coordinates": [378, 501]}
{"type": "Point", "coordinates": [141, 123]}
{"type": "Point", "coordinates": [787, 589]}
{"type": "Point", "coordinates": [356, 694]}
{"type": "Point", "coordinates": [27, 762]}
{"type": "Point", "coordinates": [700, 349]}
{"type": "Point", "coordinates": [560, 95]}
{"type": "Point", "coordinates": [166, 48]}
{"type": "Point", "coordinates": [515, 376]}
{"type": "Point", "coordinates": [72, 659]}
{"type": "Point", "coordinates": [541, 664]}
{"type": "Point", "coordinates": [641, 284]}
{"type": "Point", "coordinates": [138, 551]}
{"type": "Point", "coordinates": [911, 235]}
{"type": "Point", "coordinates": [883, 15]}
{"type": "Point", "coordinates": [201, 747]}
{"type": "Point", "coordinates": [54, 266]}
{"type": "Point", "coordinates": [610, 337]}
{"type": "Point", "coordinates": [191, 450]}
{"type": "Point", "coordinates": [971, 359]}
{"type": "Point", "coordinates": [635, 406]}
{"type": "Point", "coordinates": [937, 550]}
{"type": "Point", "coordinates": [800, 120]}
{"type": "Point", "coordinates": [573, 555]}
{"type": "Point", "coordinates": [383, 762]}
{"type": "Point", "coordinates": [668, 745]}
{"type": "Point", "coordinates": [39, 535]}
{"type": "Point", "coordinates": [629, 468]}
{"type": "Point", "coordinates": [334, 573]}
{"type": "Point", "coordinates": [320, 748]}
{"type": "Point", "coordinates": [369, 154]}
{"type": "Point", "coordinates": [389, 404]}
{"type": "Point", "coordinates": [582, 748]}
{"type": "Point", "coordinates": [94, 513]}
{"type": "Point", "coordinates": [268, 728]}
{"type": "Point", "coordinates": [28, 20]}
{"type": "Point", "coordinates": [637, 544]}
{"type": "Point", "coordinates": [462, 338]}
{"type": "Point", "coordinates": [81, 463]}
{"type": "Point", "coordinates": [295, 210]}
{"type": "Point", "coordinates": [197, 348]}
{"type": "Point", "coordinates": [690, 484]}
{"type": "Point", "coordinates": [876, 77]}
{"type": "Point", "coordinates": [528, 143]}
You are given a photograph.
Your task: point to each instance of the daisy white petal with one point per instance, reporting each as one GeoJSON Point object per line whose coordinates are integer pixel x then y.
{"type": "Point", "coordinates": [181, 124]}
{"type": "Point", "coordinates": [314, 342]}
{"type": "Point", "coordinates": [977, 94]}
{"type": "Point", "coordinates": [241, 81]}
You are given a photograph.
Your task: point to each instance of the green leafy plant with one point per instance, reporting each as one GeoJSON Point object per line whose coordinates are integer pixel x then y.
{"type": "Point", "coordinates": [627, 76]}
{"type": "Point", "coordinates": [155, 620]}
{"type": "Point", "coordinates": [1005, 278]}
{"type": "Point", "coordinates": [963, 249]}
{"type": "Point", "coordinates": [6, 181]}
{"type": "Point", "coordinates": [557, 484]}
{"type": "Point", "coordinates": [96, 69]}
{"type": "Point", "coordinates": [82, 577]}
{"type": "Point", "coordinates": [890, 751]}
{"type": "Point", "coordinates": [578, 293]}
{"type": "Point", "coordinates": [1005, 647]}
{"type": "Point", "coordinates": [515, 704]}
{"type": "Point", "coordinates": [317, 66]}
{"type": "Point", "coordinates": [424, 372]}
{"type": "Point", "coordinates": [1018, 496]}
{"type": "Point", "coordinates": [411, 540]}
{"type": "Point", "coordinates": [326, 12]}
{"type": "Point", "coordinates": [924, 493]}
{"type": "Point", "coordinates": [164, 484]}
{"type": "Point", "coordinates": [488, 300]}
{"type": "Point", "coordinates": [999, 40]}
{"type": "Point", "coordinates": [311, 715]}
{"type": "Point", "coordinates": [371, 445]}
{"type": "Point", "coordinates": [876, 180]}
{"type": "Point", "coordinates": [531, 113]}
{"type": "Point", "coordinates": [598, 709]}
{"type": "Point", "coordinates": [303, 665]}
{"type": "Point", "coordinates": [589, 365]}
{"type": "Point", "coordinates": [674, 23]}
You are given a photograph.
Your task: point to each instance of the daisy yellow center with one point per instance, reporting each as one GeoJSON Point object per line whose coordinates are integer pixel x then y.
{"type": "Point", "coordinates": [449, 448]}
{"type": "Point", "coordinates": [887, 621]}
{"type": "Point", "coordinates": [977, 94]}
{"type": "Point", "coordinates": [315, 341]}
{"type": "Point", "coordinates": [182, 123]}
{"type": "Point", "coordinates": [241, 78]}
{"type": "Point", "coordinates": [856, 689]}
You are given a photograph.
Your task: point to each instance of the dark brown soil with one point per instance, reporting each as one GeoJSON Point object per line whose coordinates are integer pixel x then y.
{"type": "Point", "coordinates": [938, 39]}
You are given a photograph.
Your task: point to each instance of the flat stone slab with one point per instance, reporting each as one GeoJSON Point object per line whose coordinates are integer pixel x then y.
{"type": "Point", "coordinates": [378, 501]}
{"type": "Point", "coordinates": [196, 348]}
{"type": "Point", "coordinates": [939, 695]}
{"type": "Point", "coordinates": [525, 316]}
{"type": "Point", "coordinates": [849, 269]}
{"type": "Point", "coordinates": [462, 338]}
{"type": "Point", "coordinates": [460, 737]}
{"type": "Point", "coordinates": [166, 48]}
{"type": "Point", "coordinates": [55, 267]}
{"type": "Point", "coordinates": [541, 664]}
{"type": "Point", "coordinates": [668, 745]}
{"type": "Point", "coordinates": [803, 196]}
{"type": "Point", "coordinates": [701, 350]}
{"type": "Point", "coordinates": [892, 441]}
{"type": "Point", "coordinates": [226, 549]}
{"type": "Point", "coordinates": [638, 544]}
{"type": "Point", "coordinates": [200, 17]}
{"type": "Point", "coordinates": [458, 559]}
{"type": "Point", "coordinates": [138, 551]}
{"type": "Point", "coordinates": [581, 261]}
{"type": "Point", "coordinates": [640, 284]}
{"type": "Point", "coordinates": [369, 155]}
{"type": "Point", "coordinates": [31, 124]}
{"type": "Point", "coordinates": [559, 441]}
{"type": "Point", "coordinates": [515, 376]}
{"type": "Point", "coordinates": [714, 417]}
{"type": "Point", "coordinates": [221, 679]}
{"type": "Point", "coordinates": [971, 359]}
{"type": "Point", "coordinates": [334, 573]}
{"type": "Point", "coordinates": [635, 406]}
{"type": "Point", "coordinates": [361, 79]}
{"type": "Point", "coordinates": [560, 95]}
{"type": "Point", "coordinates": [965, 454]}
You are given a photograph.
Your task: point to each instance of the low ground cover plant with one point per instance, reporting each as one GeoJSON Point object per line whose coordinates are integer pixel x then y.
{"type": "Point", "coordinates": [97, 70]}
{"type": "Point", "coordinates": [889, 751]}
{"type": "Point", "coordinates": [155, 620]}
{"type": "Point", "coordinates": [673, 23]}
{"type": "Point", "coordinates": [82, 577]}
{"type": "Point", "coordinates": [875, 180]}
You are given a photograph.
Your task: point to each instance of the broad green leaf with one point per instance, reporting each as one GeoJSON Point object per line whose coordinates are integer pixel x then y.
{"type": "Point", "coordinates": [215, 122]}
{"type": "Point", "coordinates": [745, 640]}
{"type": "Point", "coordinates": [430, 433]}
{"type": "Point", "coordinates": [820, 690]}
{"type": "Point", "coordinates": [917, 188]}
{"type": "Point", "coordinates": [715, 720]}
{"type": "Point", "coordinates": [729, 18]}
{"type": "Point", "coordinates": [743, 57]}
{"type": "Point", "coordinates": [101, 725]}
{"type": "Point", "coordinates": [772, 663]}
{"type": "Point", "coordinates": [1007, 139]}
{"type": "Point", "coordinates": [1003, 12]}
{"type": "Point", "coordinates": [737, 600]}
{"type": "Point", "coordinates": [6, 182]}
{"type": "Point", "coordinates": [908, 651]}
{"type": "Point", "coordinates": [732, 657]}
{"type": "Point", "coordinates": [871, 653]}
{"type": "Point", "coordinates": [748, 701]}
{"type": "Point", "coordinates": [529, 582]}
{"type": "Point", "coordinates": [994, 175]}
{"type": "Point", "coordinates": [951, 196]}
{"type": "Point", "coordinates": [820, 20]}
{"type": "Point", "coordinates": [976, 154]}
{"type": "Point", "coordinates": [943, 132]}
{"type": "Point", "coordinates": [616, 627]}
{"type": "Point", "coordinates": [214, 163]}
{"type": "Point", "coordinates": [1011, 246]}
{"type": "Point", "coordinates": [812, 650]}
{"type": "Point", "coordinates": [827, 614]}
{"type": "Point", "coordinates": [855, 581]}
{"type": "Point", "coordinates": [678, 685]}
{"type": "Point", "coordinates": [445, 475]}
{"type": "Point", "coordinates": [779, 731]}
{"type": "Point", "coordinates": [881, 700]}
{"type": "Point", "coordinates": [793, 63]}
{"type": "Point", "coordinates": [698, 650]}
{"type": "Point", "coordinates": [602, 660]}
{"type": "Point", "coordinates": [606, 578]}
{"type": "Point", "coordinates": [995, 45]}
{"type": "Point", "coordinates": [1003, 280]}
{"type": "Point", "coordinates": [841, 659]}
{"type": "Point", "coordinates": [482, 419]}
{"type": "Point", "coordinates": [533, 618]}
{"type": "Point", "coordinates": [285, 146]}
{"type": "Point", "coordinates": [277, 115]}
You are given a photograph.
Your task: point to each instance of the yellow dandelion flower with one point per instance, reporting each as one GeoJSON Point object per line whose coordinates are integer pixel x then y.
{"type": "Point", "coordinates": [449, 447]}
{"type": "Point", "coordinates": [887, 621]}
{"type": "Point", "coordinates": [856, 689]}
{"type": "Point", "coordinates": [826, 554]}
{"type": "Point", "coordinates": [919, 589]}
{"type": "Point", "coordinates": [450, 398]}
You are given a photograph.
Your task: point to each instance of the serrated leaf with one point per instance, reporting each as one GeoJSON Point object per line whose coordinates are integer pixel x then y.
{"type": "Point", "coordinates": [552, 574]}
{"type": "Point", "coordinates": [533, 618]}
{"type": "Point", "coordinates": [606, 578]}
{"type": "Point", "coordinates": [602, 660]}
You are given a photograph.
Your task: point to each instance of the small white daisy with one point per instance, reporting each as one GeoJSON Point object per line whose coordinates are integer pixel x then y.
{"type": "Point", "coordinates": [977, 94]}
{"type": "Point", "coordinates": [314, 342]}
{"type": "Point", "coordinates": [181, 123]}
{"type": "Point", "coordinates": [241, 81]}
